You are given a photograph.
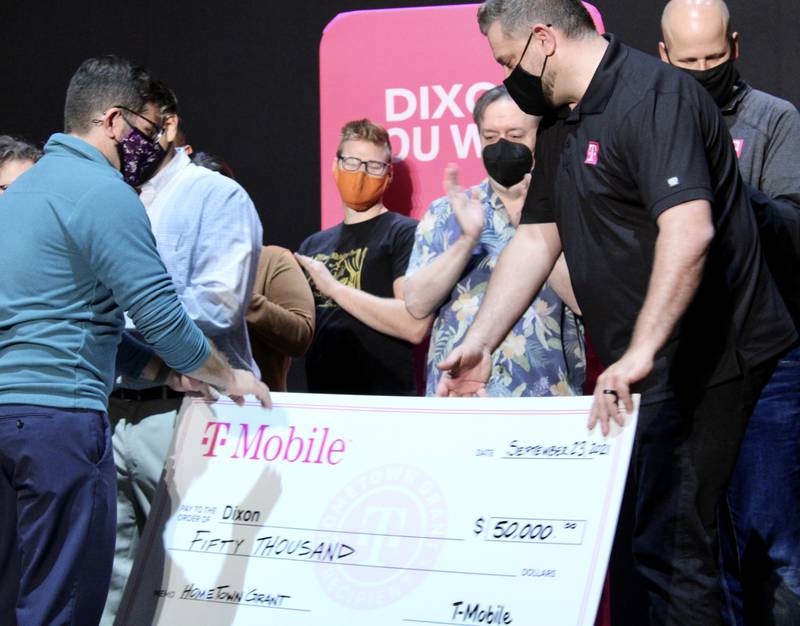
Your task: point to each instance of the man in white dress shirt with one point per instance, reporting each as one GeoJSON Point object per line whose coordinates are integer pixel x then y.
{"type": "Point", "coordinates": [209, 235]}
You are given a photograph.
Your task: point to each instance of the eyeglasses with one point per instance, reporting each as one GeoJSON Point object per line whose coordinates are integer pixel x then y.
{"type": "Point", "coordinates": [353, 164]}
{"type": "Point", "coordinates": [153, 136]}
{"type": "Point", "coordinates": [159, 129]}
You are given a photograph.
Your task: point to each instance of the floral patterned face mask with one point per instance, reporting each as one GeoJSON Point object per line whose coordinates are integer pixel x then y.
{"type": "Point", "coordinates": [139, 156]}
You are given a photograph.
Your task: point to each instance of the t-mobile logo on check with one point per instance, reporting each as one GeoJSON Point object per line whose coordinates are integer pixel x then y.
{"type": "Point", "coordinates": [592, 153]}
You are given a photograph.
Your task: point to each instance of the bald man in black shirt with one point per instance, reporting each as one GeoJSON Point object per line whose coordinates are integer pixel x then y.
{"type": "Point", "coordinates": [636, 180]}
{"type": "Point", "coordinates": [761, 543]}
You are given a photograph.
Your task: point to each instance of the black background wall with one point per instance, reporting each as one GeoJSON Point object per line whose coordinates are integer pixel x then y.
{"type": "Point", "coordinates": [246, 74]}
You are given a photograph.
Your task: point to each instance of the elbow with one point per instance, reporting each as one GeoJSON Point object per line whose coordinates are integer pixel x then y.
{"type": "Point", "coordinates": [415, 309]}
{"type": "Point", "coordinates": [707, 234]}
{"type": "Point", "coordinates": [686, 230]}
{"type": "Point", "coordinates": [685, 241]}
{"type": "Point", "coordinates": [703, 237]}
{"type": "Point", "coordinates": [218, 317]}
{"type": "Point", "coordinates": [413, 302]}
{"type": "Point", "coordinates": [417, 330]}
{"type": "Point", "coordinates": [304, 339]}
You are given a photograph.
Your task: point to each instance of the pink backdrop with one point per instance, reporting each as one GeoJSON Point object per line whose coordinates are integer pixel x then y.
{"type": "Point", "coordinates": [418, 72]}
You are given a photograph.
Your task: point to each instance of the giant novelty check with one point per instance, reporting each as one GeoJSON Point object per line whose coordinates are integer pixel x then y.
{"type": "Point", "coordinates": [350, 510]}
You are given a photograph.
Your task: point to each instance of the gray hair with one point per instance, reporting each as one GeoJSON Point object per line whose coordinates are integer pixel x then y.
{"type": "Point", "coordinates": [12, 149]}
{"type": "Point", "coordinates": [487, 98]}
{"type": "Point", "coordinates": [517, 16]}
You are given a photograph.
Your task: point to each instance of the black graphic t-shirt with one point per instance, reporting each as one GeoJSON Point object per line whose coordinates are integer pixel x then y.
{"type": "Point", "coordinates": [347, 356]}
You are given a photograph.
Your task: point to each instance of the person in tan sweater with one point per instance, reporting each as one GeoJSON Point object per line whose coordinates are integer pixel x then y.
{"type": "Point", "coordinates": [281, 315]}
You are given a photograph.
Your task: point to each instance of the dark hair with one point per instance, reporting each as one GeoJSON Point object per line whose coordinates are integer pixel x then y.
{"type": "Point", "coordinates": [213, 163]}
{"type": "Point", "coordinates": [100, 83]}
{"type": "Point", "coordinates": [517, 16]}
{"type": "Point", "coordinates": [12, 149]}
{"type": "Point", "coordinates": [487, 98]}
{"type": "Point", "coordinates": [162, 96]}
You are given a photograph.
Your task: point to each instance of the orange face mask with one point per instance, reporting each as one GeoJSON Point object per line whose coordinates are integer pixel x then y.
{"type": "Point", "coordinates": [359, 190]}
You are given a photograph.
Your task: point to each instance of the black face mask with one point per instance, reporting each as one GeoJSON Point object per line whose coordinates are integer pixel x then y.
{"type": "Point", "coordinates": [719, 81]}
{"type": "Point", "coordinates": [526, 89]}
{"type": "Point", "coordinates": [507, 162]}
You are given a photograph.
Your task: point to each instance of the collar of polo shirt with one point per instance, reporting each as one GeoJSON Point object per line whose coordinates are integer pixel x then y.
{"type": "Point", "coordinates": [602, 84]}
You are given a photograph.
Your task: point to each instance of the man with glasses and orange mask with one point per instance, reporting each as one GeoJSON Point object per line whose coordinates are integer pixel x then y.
{"type": "Point", "coordinates": [364, 335]}
{"type": "Point", "coordinates": [209, 235]}
{"type": "Point", "coordinates": [76, 252]}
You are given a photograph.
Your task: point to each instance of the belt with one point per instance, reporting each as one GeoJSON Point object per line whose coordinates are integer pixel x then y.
{"type": "Point", "coordinates": [151, 393]}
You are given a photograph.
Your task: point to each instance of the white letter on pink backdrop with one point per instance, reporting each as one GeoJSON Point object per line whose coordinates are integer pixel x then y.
{"type": "Point", "coordinates": [411, 104]}
{"type": "Point", "coordinates": [447, 100]}
{"type": "Point", "coordinates": [470, 140]}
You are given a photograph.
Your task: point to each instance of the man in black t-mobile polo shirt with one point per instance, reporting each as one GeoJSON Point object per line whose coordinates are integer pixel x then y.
{"type": "Point", "coordinates": [636, 180]}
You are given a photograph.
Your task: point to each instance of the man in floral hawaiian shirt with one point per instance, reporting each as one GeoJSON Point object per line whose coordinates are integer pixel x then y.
{"type": "Point", "coordinates": [457, 244]}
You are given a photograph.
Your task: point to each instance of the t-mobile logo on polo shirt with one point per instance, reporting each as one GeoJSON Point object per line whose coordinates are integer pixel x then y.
{"type": "Point", "coordinates": [592, 152]}
{"type": "Point", "coordinates": [738, 145]}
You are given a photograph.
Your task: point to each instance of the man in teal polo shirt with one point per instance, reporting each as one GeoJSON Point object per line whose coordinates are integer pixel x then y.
{"type": "Point", "coordinates": [76, 250]}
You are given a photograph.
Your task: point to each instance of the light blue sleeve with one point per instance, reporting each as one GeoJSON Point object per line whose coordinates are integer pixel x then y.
{"type": "Point", "coordinates": [132, 356]}
{"type": "Point", "coordinates": [224, 256]}
{"type": "Point", "coordinates": [110, 228]}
